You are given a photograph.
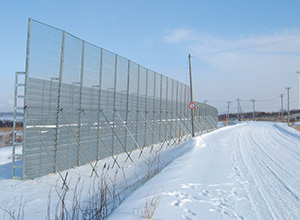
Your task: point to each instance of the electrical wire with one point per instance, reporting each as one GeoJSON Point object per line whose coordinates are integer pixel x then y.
{"type": "Point", "coordinates": [244, 48]}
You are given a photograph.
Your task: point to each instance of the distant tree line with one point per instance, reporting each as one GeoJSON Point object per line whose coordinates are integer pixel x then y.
{"type": "Point", "coordinates": [259, 115]}
{"type": "Point", "coordinates": [9, 123]}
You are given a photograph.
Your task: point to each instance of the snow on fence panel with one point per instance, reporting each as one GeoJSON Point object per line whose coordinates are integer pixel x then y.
{"type": "Point", "coordinates": [83, 103]}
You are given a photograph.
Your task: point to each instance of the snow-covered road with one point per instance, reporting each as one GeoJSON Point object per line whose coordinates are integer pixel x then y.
{"type": "Point", "coordinates": [269, 158]}
{"type": "Point", "coordinates": [247, 171]}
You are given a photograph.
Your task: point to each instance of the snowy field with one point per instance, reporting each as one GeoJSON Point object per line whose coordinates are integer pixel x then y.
{"type": "Point", "coordinates": [246, 171]}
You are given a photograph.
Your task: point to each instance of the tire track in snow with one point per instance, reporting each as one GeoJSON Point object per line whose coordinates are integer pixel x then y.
{"type": "Point", "coordinates": [266, 186]}
{"type": "Point", "coordinates": [271, 173]}
{"type": "Point", "coordinates": [284, 185]}
{"type": "Point", "coordinates": [254, 192]}
{"type": "Point", "coordinates": [249, 162]}
{"type": "Point", "coordinates": [244, 180]}
{"type": "Point", "coordinates": [241, 171]}
{"type": "Point", "coordinates": [282, 158]}
{"type": "Point", "coordinates": [291, 140]}
{"type": "Point", "coordinates": [287, 172]}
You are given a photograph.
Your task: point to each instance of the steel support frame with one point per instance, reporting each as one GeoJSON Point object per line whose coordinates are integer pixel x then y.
{"type": "Point", "coordinates": [116, 135]}
{"type": "Point", "coordinates": [145, 136]}
{"type": "Point", "coordinates": [99, 136]}
{"type": "Point", "coordinates": [15, 131]}
{"type": "Point", "coordinates": [187, 133]}
{"type": "Point", "coordinates": [58, 95]}
{"type": "Point", "coordinates": [46, 148]}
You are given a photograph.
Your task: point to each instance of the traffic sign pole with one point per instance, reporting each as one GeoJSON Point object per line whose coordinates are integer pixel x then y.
{"type": "Point", "coordinates": [192, 98]}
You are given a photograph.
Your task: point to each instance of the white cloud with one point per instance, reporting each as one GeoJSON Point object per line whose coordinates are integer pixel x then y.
{"type": "Point", "coordinates": [181, 35]}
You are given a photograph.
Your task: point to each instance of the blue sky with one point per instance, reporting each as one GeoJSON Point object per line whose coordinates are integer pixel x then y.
{"type": "Point", "coordinates": [160, 34]}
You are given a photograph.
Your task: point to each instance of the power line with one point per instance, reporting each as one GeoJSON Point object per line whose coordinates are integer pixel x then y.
{"type": "Point", "coordinates": [246, 100]}
{"type": "Point", "coordinates": [248, 47]}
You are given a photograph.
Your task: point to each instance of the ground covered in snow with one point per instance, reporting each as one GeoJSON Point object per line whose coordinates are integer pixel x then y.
{"type": "Point", "coordinates": [86, 191]}
{"type": "Point", "coordinates": [246, 171]}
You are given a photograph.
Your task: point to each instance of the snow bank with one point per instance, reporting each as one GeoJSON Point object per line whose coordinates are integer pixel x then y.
{"type": "Point", "coordinates": [36, 196]}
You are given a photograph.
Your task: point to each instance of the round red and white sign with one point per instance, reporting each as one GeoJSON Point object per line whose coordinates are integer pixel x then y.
{"type": "Point", "coordinates": [192, 105]}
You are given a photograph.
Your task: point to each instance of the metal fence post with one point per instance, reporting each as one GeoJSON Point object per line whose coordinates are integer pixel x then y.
{"type": "Point", "coordinates": [166, 112]}
{"type": "Point", "coordinates": [154, 112]}
{"type": "Point", "coordinates": [186, 106]}
{"type": "Point", "coordinates": [43, 95]}
{"type": "Point", "coordinates": [99, 98]}
{"type": "Point", "coordinates": [138, 100]}
{"type": "Point", "coordinates": [177, 102]}
{"type": "Point", "coordinates": [160, 107]}
{"type": "Point", "coordinates": [61, 69]}
{"type": "Point", "coordinates": [146, 107]}
{"type": "Point", "coordinates": [114, 102]}
{"type": "Point", "coordinates": [127, 103]}
{"type": "Point", "coordinates": [25, 96]}
{"type": "Point", "coordinates": [80, 100]}
{"type": "Point", "coordinates": [173, 131]}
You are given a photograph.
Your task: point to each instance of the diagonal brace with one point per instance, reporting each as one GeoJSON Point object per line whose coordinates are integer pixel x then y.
{"type": "Point", "coordinates": [128, 130]}
{"type": "Point", "coordinates": [151, 129]}
{"type": "Point", "coordinates": [188, 129]}
{"type": "Point", "coordinates": [172, 138]}
{"type": "Point", "coordinates": [47, 150]}
{"type": "Point", "coordinates": [97, 133]}
{"type": "Point", "coordinates": [130, 134]}
{"type": "Point", "coordinates": [141, 130]}
{"type": "Point", "coordinates": [108, 124]}
{"type": "Point", "coordinates": [78, 141]}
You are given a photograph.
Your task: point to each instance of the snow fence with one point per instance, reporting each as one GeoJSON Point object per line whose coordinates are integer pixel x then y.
{"type": "Point", "coordinates": [82, 103]}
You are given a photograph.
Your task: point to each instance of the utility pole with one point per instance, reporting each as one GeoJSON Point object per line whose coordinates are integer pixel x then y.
{"type": "Point", "coordinates": [298, 72]}
{"type": "Point", "coordinates": [192, 97]}
{"type": "Point", "coordinates": [253, 100]}
{"type": "Point", "coordinates": [238, 109]}
{"type": "Point", "coordinates": [281, 96]}
{"type": "Point", "coordinates": [288, 104]}
{"type": "Point", "coordinates": [228, 112]}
